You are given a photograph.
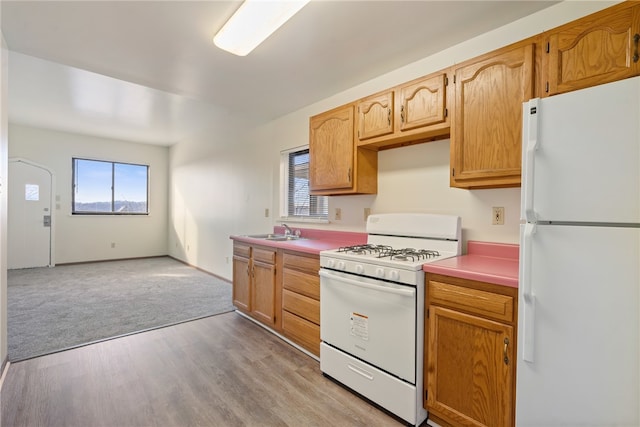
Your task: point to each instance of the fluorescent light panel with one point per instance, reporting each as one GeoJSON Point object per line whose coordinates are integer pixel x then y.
{"type": "Point", "coordinates": [253, 22]}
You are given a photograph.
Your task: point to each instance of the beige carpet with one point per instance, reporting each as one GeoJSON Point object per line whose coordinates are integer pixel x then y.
{"type": "Point", "coordinates": [52, 309]}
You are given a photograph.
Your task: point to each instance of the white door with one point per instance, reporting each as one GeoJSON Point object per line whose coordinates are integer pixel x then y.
{"type": "Point", "coordinates": [30, 215]}
{"type": "Point", "coordinates": [581, 155]}
{"type": "Point", "coordinates": [370, 319]}
{"type": "Point", "coordinates": [579, 327]}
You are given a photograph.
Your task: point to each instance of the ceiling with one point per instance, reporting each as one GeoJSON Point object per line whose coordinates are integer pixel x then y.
{"type": "Point", "coordinates": [148, 71]}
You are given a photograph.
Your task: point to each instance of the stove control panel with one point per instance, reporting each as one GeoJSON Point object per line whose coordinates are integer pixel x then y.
{"type": "Point", "coordinates": [376, 271]}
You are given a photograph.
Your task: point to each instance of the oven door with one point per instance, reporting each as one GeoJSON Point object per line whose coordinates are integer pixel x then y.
{"type": "Point", "coordinates": [370, 319]}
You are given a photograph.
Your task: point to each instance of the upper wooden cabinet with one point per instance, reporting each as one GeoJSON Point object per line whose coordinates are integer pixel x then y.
{"type": "Point", "coordinates": [415, 111]}
{"type": "Point", "coordinates": [486, 136]}
{"type": "Point", "coordinates": [336, 165]}
{"type": "Point", "coordinates": [375, 116]}
{"type": "Point", "coordinates": [599, 48]}
{"type": "Point", "coordinates": [481, 111]}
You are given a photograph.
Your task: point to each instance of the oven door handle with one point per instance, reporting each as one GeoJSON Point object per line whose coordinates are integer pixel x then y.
{"type": "Point", "coordinates": [388, 289]}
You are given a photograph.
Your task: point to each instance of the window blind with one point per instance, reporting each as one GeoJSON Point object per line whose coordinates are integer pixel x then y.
{"type": "Point", "coordinates": [300, 202]}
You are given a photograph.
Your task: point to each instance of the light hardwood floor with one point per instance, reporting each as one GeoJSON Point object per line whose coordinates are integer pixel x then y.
{"type": "Point", "coordinates": [218, 371]}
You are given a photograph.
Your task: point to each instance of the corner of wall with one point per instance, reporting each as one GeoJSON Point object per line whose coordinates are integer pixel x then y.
{"type": "Point", "coordinates": [4, 150]}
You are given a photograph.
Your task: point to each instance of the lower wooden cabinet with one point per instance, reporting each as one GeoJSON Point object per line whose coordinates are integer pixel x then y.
{"type": "Point", "coordinates": [255, 283]}
{"type": "Point", "coordinates": [301, 300]}
{"type": "Point", "coordinates": [281, 289]}
{"type": "Point", "coordinates": [470, 356]}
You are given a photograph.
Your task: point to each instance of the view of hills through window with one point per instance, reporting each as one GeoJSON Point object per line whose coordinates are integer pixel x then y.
{"type": "Point", "coordinates": [102, 187]}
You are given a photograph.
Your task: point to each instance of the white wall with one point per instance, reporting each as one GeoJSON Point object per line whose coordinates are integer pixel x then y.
{"type": "Point", "coordinates": [223, 180]}
{"type": "Point", "coordinates": [4, 63]}
{"type": "Point", "coordinates": [81, 238]}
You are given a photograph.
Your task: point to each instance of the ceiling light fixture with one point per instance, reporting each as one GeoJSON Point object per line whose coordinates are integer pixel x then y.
{"type": "Point", "coordinates": [253, 22]}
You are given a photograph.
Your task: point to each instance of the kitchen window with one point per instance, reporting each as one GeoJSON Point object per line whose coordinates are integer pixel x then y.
{"type": "Point", "coordinates": [109, 188]}
{"type": "Point", "coordinates": [297, 203]}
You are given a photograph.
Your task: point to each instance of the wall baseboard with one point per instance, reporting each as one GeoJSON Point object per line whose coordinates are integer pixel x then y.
{"type": "Point", "coordinates": [201, 269]}
{"type": "Point", "coordinates": [109, 260]}
{"type": "Point", "coordinates": [4, 368]}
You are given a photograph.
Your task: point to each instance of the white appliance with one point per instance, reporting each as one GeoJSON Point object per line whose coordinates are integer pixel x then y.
{"type": "Point", "coordinates": [579, 299]}
{"type": "Point", "coordinates": [372, 308]}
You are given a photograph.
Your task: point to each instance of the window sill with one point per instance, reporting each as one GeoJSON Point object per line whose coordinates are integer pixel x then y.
{"type": "Point", "coordinates": [295, 219]}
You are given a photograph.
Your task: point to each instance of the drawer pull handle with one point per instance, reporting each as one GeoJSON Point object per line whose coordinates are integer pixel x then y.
{"type": "Point", "coordinates": [504, 351]}
{"type": "Point", "coordinates": [360, 372]}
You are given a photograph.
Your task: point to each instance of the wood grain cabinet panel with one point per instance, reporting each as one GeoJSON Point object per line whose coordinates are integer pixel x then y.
{"type": "Point", "coordinates": [423, 102]}
{"type": "Point", "coordinates": [486, 138]}
{"type": "Point", "coordinates": [468, 381]}
{"type": "Point", "coordinates": [599, 48]}
{"type": "Point", "coordinates": [241, 282]}
{"type": "Point", "coordinates": [301, 299]}
{"type": "Point", "coordinates": [256, 284]}
{"type": "Point", "coordinates": [302, 332]}
{"type": "Point", "coordinates": [470, 341]}
{"type": "Point", "coordinates": [410, 113]}
{"type": "Point", "coordinates": [336, 166]}
{"type": "Point", "coordinates": [375, 116]}
{"type": "Point", "coordinates": [302, 306]}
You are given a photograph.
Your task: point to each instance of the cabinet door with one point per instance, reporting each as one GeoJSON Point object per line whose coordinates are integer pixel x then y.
{"type": "Point", "coordinates": [597, 49]}
{"type": "Point", "coordinates": [422, 103]}
{"type": "Point", "coordinates": [331, 150]}
{"type": "Point", "coordinates": [470, 369]}
{"type": "Point", "coordinates": [263, 297]}
{"type": "Point", "coordinates": [487, 135]}
{"type": "Point", "coordinates": [241, 283]}
{"type": "Point", "coordinates": [375, 116]}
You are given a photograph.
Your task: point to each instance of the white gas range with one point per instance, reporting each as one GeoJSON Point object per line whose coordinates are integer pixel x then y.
{"type": "Point", "coordinates": [372, 308]}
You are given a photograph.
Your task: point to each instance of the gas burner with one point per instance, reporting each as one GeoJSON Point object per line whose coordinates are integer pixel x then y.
{"type": "Point", "coordinates": [365, 249]}
{"type": "Point", "coordinates": [409, 254]}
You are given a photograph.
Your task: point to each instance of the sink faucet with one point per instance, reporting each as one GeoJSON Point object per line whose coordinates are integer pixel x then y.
{"type": "Point", "coordinates": [288, 231]}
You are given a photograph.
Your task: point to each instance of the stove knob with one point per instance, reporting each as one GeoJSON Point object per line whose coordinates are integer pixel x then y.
{"type": "Point", "coordinates": [359, 269]}
{"type": "Point", "coordinates": [394, 275]}
{"type": "Point", "coordinates": [331, 263]}
{"type": "Point", "coordinates": [379, 272]}
{"type": "Point", "coordinates": [340, 265]}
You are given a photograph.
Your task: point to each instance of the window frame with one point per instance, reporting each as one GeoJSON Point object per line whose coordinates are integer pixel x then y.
{"type": "Point", "coordinates": [284, 191]}
{"type": "Point", "coordinates": [113, 189]}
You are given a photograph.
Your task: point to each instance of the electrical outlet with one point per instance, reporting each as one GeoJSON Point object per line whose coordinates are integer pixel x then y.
{"type": "Point", "coordinates": [338, 214]}
{"type": "Point", "coordinates": [497, 215]}
{"type": "Point", "coordinates": [367, 212]}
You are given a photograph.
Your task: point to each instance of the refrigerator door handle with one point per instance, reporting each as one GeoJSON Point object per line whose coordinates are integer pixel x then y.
{"type": "Point", "coordinates": [529, 299]}
{"type": "Point", "coordinates": [529, 151]}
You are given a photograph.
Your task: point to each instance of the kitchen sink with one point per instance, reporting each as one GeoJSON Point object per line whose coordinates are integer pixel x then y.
{"type": "Point", "coordinates": [274, 237]}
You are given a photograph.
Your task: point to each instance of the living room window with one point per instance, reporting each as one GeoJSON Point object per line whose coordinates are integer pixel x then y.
{"type": "Point", "coordinates": [109, 188]}
{"type": "Point", "coordinates": [298, 204]}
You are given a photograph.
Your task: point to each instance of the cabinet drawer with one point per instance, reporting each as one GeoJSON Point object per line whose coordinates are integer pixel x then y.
{"type": "Point", "coordinates": [264, 255]}
{"type": "Point", "coordinates": [488, 304]}
{"type": "Point", "coordinates": [300, 262]}
{"type": "Point", "coordinates": [242, 250]}
{"type": "Point", "coordinates": [305, 307]}
{"type": "Point", "coordinates": [302, 283]}
{"type": "Point", "coordinates": [302, 332]}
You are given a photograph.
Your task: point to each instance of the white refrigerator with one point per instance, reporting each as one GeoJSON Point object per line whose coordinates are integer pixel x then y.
{"type": "Point", "coordinates": [579, 299]}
